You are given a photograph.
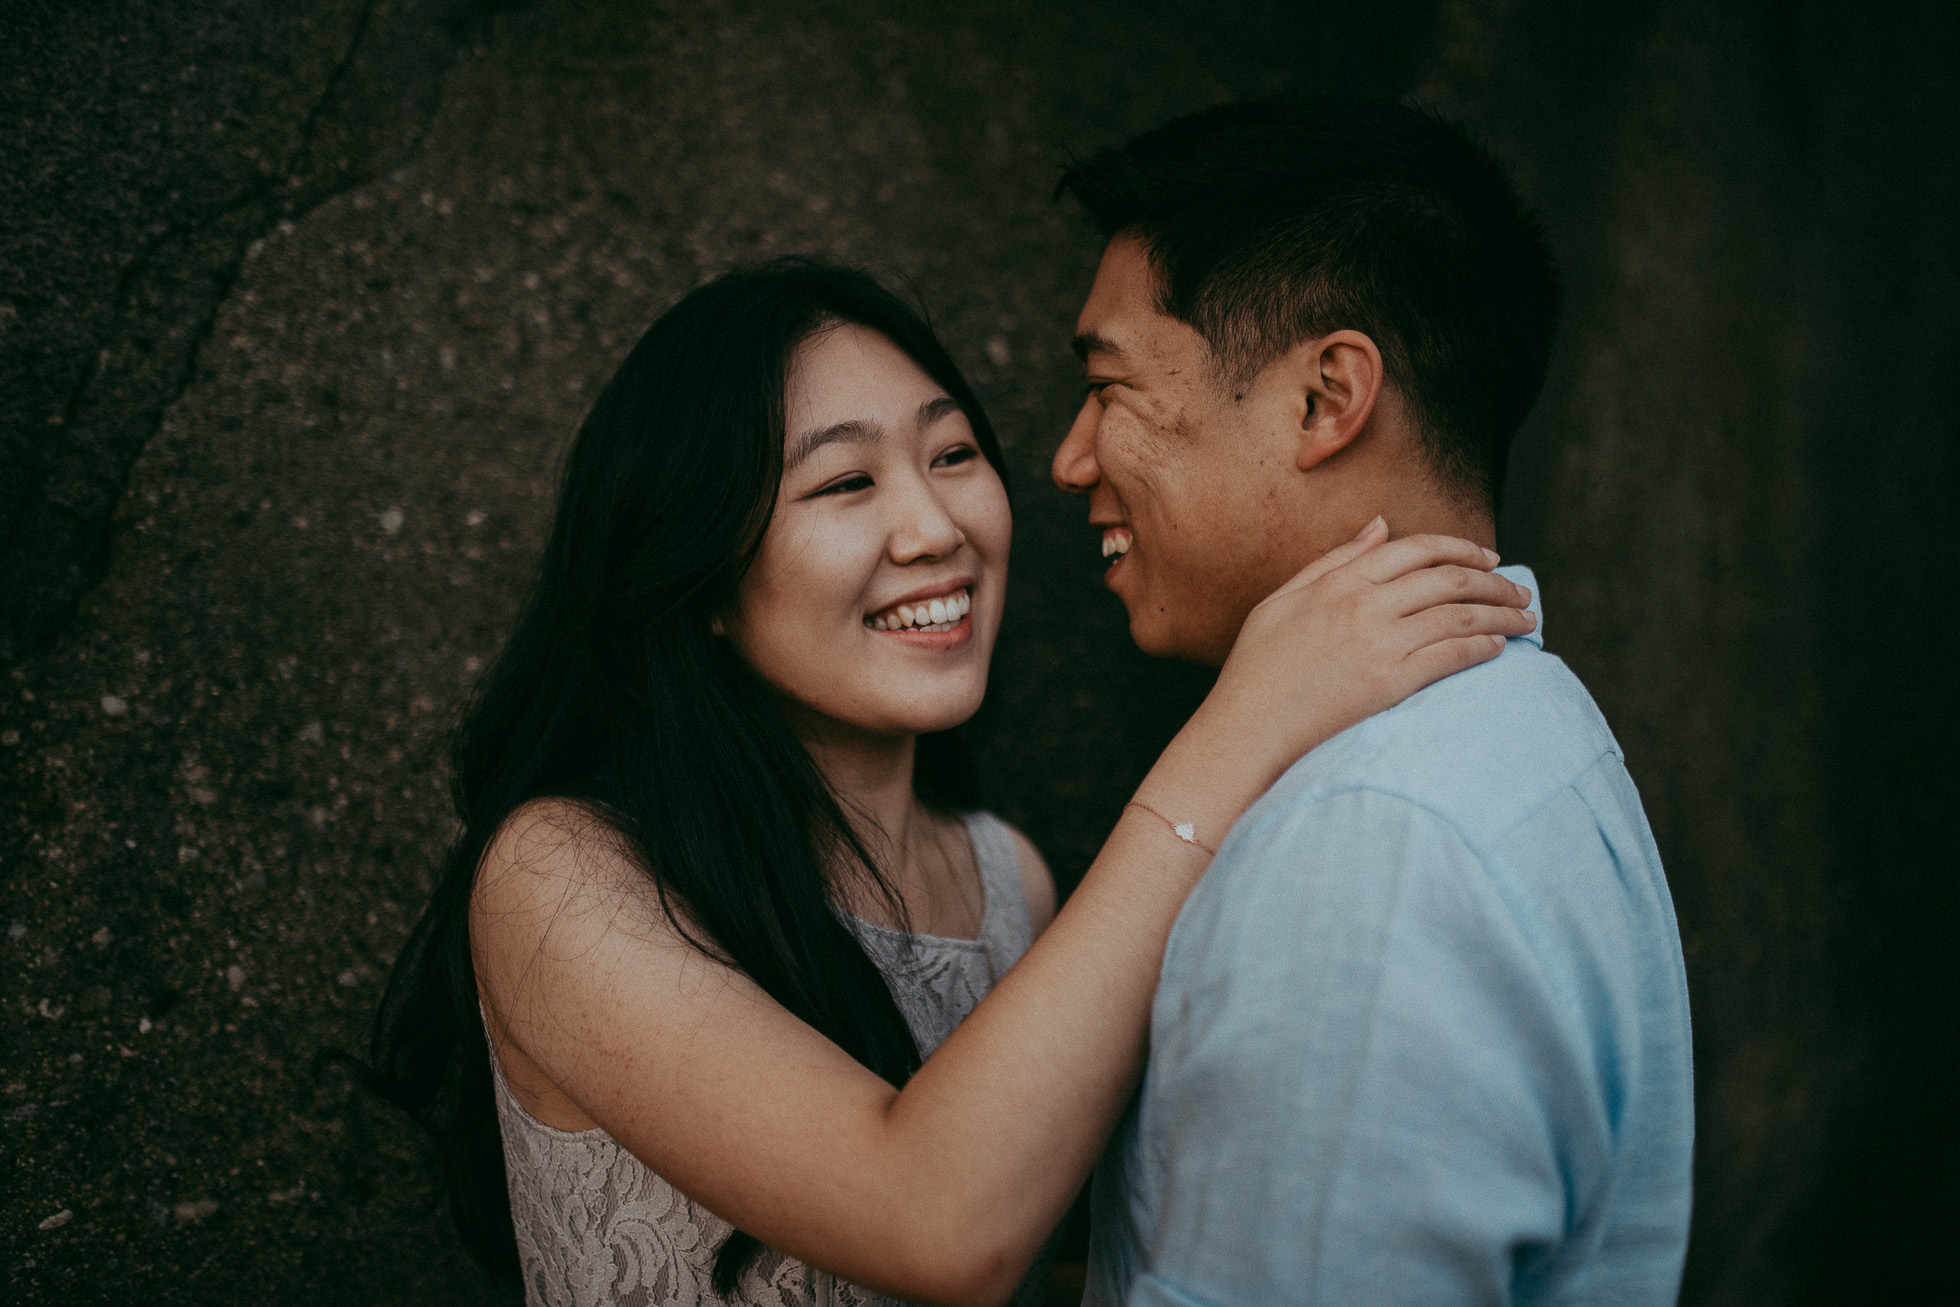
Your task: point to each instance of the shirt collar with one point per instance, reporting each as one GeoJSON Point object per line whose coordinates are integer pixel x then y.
{"type": "Point", "coordinates": [1522, 576]}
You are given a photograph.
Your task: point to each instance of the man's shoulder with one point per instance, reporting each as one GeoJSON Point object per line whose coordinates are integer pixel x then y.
{"type": "Point", "coordinates": [1481, 750]}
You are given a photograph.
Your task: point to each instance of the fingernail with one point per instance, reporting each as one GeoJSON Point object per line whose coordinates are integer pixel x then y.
{"type": "Point", "coordinates": [1497, 640]}
{"type": "Point", "coordinates": [1491, 555]}
{"type": "Point", "coordinates": [1524, 592]}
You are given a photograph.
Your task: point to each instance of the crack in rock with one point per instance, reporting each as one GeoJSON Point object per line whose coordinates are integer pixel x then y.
{"type": "Point", "coordinates": [62, 474]}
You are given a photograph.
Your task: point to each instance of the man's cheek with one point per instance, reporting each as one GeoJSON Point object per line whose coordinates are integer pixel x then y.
{"type": "Point", "coordinates": [1148, 435]}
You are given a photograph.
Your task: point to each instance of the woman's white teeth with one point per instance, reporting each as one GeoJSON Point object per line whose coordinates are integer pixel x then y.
{"type": "Point", "coordinates": [1116, 540]}
{"type": "Point", "coordinates": [940, 614]}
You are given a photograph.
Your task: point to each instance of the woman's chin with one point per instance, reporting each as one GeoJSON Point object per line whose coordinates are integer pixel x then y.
{"type": "Point", "coordinates": [932, 722]}
{"type": "Point", "coordinates": [895, 719]}
{"type": "Point", "coordinates": [923, 716]}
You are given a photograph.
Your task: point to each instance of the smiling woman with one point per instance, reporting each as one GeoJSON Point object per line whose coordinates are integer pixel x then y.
{"type": "Point", "coordinates": [712, 1003]}
{"type": "Point", "coordinates": [876, 596]}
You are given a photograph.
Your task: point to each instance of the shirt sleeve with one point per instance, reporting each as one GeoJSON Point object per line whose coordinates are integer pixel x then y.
{"type": "Point", "coordinates": [1362, 1083]}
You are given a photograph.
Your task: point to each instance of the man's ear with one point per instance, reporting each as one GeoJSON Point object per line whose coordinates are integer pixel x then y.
{"type": "Point", "coordinates": [1338, 378]}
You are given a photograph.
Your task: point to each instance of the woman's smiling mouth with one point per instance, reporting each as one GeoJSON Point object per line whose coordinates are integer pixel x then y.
{"type": "Point", "coordinates": [937, 614]}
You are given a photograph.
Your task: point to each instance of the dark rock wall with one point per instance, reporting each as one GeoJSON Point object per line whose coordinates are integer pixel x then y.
{"type": "Point", "coordinates": [298, 309]}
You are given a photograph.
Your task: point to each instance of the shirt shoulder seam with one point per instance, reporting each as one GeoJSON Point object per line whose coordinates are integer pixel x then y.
{"type": "Point", "coordinates": [1315, 796]}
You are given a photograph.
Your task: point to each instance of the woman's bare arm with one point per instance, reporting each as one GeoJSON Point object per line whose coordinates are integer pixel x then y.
{"type": "Point", "coordinates": [944, 1191]}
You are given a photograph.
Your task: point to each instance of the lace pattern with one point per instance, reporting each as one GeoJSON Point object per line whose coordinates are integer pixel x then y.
{"type": "Point", "coordinates": [596, 1227]}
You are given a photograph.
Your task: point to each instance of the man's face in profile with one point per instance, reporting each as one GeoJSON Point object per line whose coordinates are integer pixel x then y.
{"type": "Point", "coordinates": [1183, 472]}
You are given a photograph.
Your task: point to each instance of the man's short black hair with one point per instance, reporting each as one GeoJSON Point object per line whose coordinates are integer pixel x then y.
{"type": "Point", "coordinates": [1278, 221]}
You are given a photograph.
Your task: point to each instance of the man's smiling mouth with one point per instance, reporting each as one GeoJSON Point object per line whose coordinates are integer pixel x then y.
{"type": "Point", "coordinates": [940, 614]}
{"type": "Point", "coordinates": [1116, 542]}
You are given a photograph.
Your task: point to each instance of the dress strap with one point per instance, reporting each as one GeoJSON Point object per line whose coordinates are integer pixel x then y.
{"type": "Point", "coordinates": [1004, 924]}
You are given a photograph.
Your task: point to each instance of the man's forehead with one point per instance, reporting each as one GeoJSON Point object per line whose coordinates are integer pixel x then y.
{"type": "Point", "coordinates": [1123, 319]}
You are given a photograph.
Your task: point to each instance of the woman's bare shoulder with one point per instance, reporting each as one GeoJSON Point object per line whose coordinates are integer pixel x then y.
{"type": "Point", "coordinates": [560, 867]}
{"type": "Point", "coordinates": [1037, 882]}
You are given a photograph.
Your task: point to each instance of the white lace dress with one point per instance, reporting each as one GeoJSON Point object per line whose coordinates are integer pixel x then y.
{"type": "Point", "coordinates": [596, 1227]}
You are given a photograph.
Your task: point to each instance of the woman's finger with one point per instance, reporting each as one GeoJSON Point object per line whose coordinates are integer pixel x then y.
{"type": "Point", "coordinates": [1398, 557]}
{"type": "Point", "coordinates": [1451, 583]}
{"type": "Point", "coordinates": [1432, 662]}
{"type": "Point", "coordinates": [1447, 622]}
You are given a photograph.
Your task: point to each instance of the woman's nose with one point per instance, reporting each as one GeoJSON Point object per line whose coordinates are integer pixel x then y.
{"type": "Point", "coordinates": [1075, 469]}
{"type": "Point", "coordinates": [924, 528]}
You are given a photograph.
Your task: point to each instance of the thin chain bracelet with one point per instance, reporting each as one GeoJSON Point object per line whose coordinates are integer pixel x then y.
{"type": "Point", "coordinates": [1184, 830]}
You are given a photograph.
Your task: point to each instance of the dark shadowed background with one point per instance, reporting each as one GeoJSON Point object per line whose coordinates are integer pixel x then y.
{"type": "Point", "coordinates": [300, 303]}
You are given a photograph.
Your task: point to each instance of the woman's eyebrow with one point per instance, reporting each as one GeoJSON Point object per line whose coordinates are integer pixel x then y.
{"type": "Point", "coordinates": [934, 409]}
{"type": "Point", "coordinates": [856, 431]}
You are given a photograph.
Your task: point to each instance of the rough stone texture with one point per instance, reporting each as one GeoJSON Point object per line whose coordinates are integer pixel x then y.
{"type": "Point", "coordinates": [313, 369]}
{"type": "Point", "coordinates": [158, 140]}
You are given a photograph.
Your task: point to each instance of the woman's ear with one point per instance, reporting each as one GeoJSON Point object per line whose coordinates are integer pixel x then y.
{"type": "Point", "coordinates": [1338, 378]}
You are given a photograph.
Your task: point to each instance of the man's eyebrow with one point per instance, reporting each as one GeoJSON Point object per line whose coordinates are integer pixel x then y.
{"type": "Point", "coordinates": [1091, 342]}
{"type": "Point", "coordinates": [854, 432]}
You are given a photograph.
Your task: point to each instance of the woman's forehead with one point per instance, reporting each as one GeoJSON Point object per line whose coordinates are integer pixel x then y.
{"type": "Point", "coordinates": [854, 381]}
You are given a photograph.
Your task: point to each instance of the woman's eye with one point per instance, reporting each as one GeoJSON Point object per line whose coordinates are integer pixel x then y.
{"type": "Point", "coordinates": [954, 457]}
{"type": "Point", "coordinates": [848, 485]}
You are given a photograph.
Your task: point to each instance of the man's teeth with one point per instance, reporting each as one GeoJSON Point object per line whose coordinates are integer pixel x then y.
{"type": "Point", "coordinates": [1116, 540]}
{"type": "Point", "coordinates": [941, 614]}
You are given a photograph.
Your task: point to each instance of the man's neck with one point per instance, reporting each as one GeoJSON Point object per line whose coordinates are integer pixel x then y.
{"type": "Point", "coordinates": [1418, 507]}
{"type": "Point", "coordinates": [1476, 527]}
{"type": "Point", "coordinates": [1388, 471]}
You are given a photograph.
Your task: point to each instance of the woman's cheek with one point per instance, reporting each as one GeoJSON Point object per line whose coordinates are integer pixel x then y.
{"type": "Point", "coordinates": [991, 520]}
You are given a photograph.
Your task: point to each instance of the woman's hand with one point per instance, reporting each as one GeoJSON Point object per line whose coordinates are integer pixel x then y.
{"type": "Point", "coordinates": [1358, 630]}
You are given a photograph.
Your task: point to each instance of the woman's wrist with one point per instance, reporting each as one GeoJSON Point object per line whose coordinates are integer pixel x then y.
{"type": "Point", "coordinates": [1213, 770]}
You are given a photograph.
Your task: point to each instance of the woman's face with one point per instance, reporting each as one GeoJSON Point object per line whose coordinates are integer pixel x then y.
{"type": "Point", "coordinates": [876, 597]}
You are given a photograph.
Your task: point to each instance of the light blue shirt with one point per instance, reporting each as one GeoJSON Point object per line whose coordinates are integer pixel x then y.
{"type": "Point", "coordinates": [1422, 1032]}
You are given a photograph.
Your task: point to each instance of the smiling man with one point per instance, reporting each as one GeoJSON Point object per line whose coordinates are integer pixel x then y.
{"type": "Point", "coordinates": [1422, 1033]}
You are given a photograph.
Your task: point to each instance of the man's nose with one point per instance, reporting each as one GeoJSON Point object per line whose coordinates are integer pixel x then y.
{"type": "Point", "coordinates": [1075, 469]}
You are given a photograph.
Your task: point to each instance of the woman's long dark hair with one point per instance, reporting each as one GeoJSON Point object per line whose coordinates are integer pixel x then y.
{"type": "Point", "coordinates": [614, 692]}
